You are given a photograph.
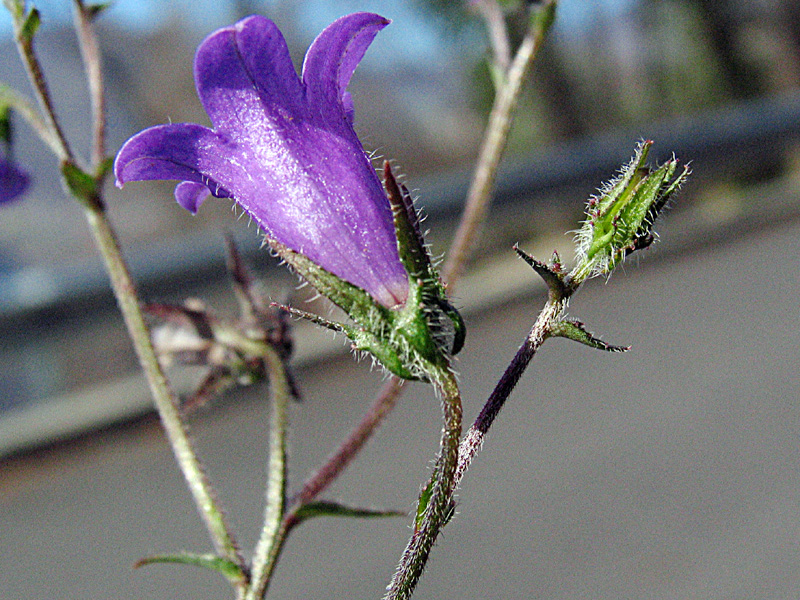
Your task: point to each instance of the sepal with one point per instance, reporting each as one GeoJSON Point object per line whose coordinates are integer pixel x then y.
{"type": "Point", "coordinates": [412, 341]}
{"type": "Point", "coordinates": [551, 274]}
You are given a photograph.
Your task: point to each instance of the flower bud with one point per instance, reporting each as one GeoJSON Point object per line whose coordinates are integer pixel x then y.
{"type": "Point", "coordinates": [620, 218]}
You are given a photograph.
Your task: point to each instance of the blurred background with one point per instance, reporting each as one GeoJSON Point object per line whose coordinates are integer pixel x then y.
{"type": "Point", "coordinates": [668, 472]}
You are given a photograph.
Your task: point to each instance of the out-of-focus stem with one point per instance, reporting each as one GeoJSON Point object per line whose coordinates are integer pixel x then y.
{"type": "Point", "coordinates": [273, 534]}
{"type": "Point", "coordinates": [90, 51]}
{"type": "Point", "coordinates": [25, 108]}
{"type": "Point", "coordinates": [338, 461]}
{"type": "Point", "coordinates": [123, 286]}
{"type": "Point", "coordinates": [494, 144]}
{"type": "Point", "coordinates": [492, 14]}
{"type": "Point", "coordinates": [177, 432]}
{"type": "Point", "coordinates": [36, 76]}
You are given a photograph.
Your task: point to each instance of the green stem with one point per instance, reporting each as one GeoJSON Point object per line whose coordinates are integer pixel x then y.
{"type": "Point", "coordinates": [494, 144]}
{"type": "Point", "coordinates": [177, 433]}
{"type": "Point", "coordinates": [435, 507]}
{"type": "Point", "coordinates": [273, 533]}
{"type": "Point", "coordinates": [55, 137]}
{"type": "Point", "coordinates": [25, 108]}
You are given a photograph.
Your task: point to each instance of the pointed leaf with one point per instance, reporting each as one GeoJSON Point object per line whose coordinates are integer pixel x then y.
{"type": "Point", "coordinates": [574, 330]}
{"type": "Point", "coordinates": [94, 10]}
{"type": "Point", "coordinates": [228, 569]}
{"type": "Point", "coordinates": [31, 25]}
{"type": "Point", "coordinates": [82, 185]}
{"type": "Point", "coordinates": [325, 508]}
{"type": "Point", "coordinates": [553, 279]}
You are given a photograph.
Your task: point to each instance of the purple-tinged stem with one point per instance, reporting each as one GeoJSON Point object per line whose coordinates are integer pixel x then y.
{"type": "Point", "coordinates": [339, 460]}
{"type": "Point", "coordinates": [473, 439]}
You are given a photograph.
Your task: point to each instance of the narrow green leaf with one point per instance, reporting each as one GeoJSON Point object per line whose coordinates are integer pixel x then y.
{"type": "Point", "coordinates": [82, 185]}
{"type": "Point", "coordinates": [95, 9]}
{"type": "Point", "coordinates": [542, 16]}
{"type": "Point", "coordinates": [228, 569]}
{"type": "Point", "coordinates": [30, 25]}
{"type": "Point", "coordinates": [5, 125]}
{"type": "Point", "coordinates": [325, 508]}
{"type": "Point", "coordinates": [574, 330]}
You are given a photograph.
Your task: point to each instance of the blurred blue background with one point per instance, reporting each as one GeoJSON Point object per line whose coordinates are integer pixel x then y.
{"type": "Point", "coordinates": [669, 472]}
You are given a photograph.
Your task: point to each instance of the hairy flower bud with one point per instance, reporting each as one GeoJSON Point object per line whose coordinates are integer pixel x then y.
{"type": "Point", "coordinates": [620, 218]}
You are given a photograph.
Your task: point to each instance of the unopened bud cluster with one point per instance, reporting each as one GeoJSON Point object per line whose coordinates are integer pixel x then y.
{"type": "Point", "coordinates": [620, 218]}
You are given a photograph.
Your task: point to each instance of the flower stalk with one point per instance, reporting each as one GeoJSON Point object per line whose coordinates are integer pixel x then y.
{"type": "Point", "coordinates": [267, 550]}
{"type": "Point", "coordinates": [435, 504]}
{"type": "Point", "coordinates": [494, 144]}
{"type": "Point", "coordinates": [87, 190]}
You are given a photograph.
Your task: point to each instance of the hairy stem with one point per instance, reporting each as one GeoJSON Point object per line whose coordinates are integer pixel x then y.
{"type": "Point", "coordinates": [267, 550]}
{"type": "Point", "coordinates": [177, 432]}
{"type": "Point", "coordinates": [435, 503]}
{"type": "Point", "coordinates": [473, 439]}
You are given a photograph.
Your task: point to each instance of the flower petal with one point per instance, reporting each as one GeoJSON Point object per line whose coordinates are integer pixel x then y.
{"type": "Point", "coordinates": [242, 71]}
{"type": "Point", "coordinates": [288, 155]}
{"type": "Point", "coordinates": [182, 151]}
{"type": "Point", "coordinates": [13, 180]}
{"type": "Point", "coordinates": [334, 56]}
{"type": "Point", "coordinates": [190, 195]}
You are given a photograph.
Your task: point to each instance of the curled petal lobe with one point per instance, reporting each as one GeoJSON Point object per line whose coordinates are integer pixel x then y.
{"type": "Point", "coordinates": [190, 195]}
{"type": "Point", "coordinates": [335, 54]}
